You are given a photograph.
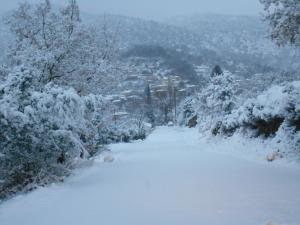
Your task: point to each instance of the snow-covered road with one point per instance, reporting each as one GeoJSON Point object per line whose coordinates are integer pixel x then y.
{"type": "Point", "coordinates": [172, 178]}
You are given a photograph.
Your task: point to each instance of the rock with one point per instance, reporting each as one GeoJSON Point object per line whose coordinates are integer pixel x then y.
{"type": "Point", "coordinates": [193, 122]}
{"type": "Point", "coordinates": [108, 159]}
{"type": "Point", "coordinates": [170, 124]}
{"type": "Point", "coordinates": [271, 157]}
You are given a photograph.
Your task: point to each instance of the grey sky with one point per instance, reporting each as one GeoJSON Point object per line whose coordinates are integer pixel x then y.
{"type": "Point", "coordinates": [158, 9]}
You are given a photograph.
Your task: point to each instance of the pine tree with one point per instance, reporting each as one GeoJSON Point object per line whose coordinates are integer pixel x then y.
{"type": "Point", "coordinates": [217, 70]}
{"type": "Point", "coordinates": [147, 95]}
{"type": "Point", "coordinates": [217, 100]}
{"type": "Point", "coordinates": [149, 104]}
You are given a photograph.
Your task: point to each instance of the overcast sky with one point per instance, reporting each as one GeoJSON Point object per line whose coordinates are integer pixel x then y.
{"type": "Point", "coordinates": [158, 9]}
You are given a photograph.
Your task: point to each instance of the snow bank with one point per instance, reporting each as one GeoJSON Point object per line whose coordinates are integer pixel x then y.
{"type": "Point", "coordinates": [273, 116]}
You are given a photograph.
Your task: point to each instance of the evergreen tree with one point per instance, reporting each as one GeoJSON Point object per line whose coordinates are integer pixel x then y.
{"type": "Point", "coordinates": [217, 70]}
{"type": "Point", "coordinates": [217, 100]}
{"type": "Point", "coordinates": [147, 95]}
{"type": "Point", "coordinates": [149, 104]}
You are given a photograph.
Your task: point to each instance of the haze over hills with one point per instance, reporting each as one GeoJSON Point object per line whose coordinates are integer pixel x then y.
{"type": "Point", "coordinates": [233, 41]}
{"type": "Point", "coordinates": [188, 44]}
{"type": "Point", "coordinates": [238, 43]}
{"type": "Point", "coordinates": [189, 47]}
{"type": "Point", "coordinates": [223, 39]}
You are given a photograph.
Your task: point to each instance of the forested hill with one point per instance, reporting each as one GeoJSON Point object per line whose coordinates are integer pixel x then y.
{"type": "Point", "coordinates": [231, 40]}
{"type": "Point", "coordinates": [238, 42]}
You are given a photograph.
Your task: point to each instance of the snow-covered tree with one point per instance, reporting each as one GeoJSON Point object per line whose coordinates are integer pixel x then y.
{"type": "Point", "coordinates": [164, 101]}
{"type": "Point", "coordinates": [217, 70]}
{"type": "Point", "coordinates": [284, 19]}
{"type": "Point", "coordinates": [187, 111]}
{"type": "Point", "coordinates": [149, 104]}
{"type": "Point", "coordinates": [217, 99]}
{"type": "Point", "coordinates": [55, 43]}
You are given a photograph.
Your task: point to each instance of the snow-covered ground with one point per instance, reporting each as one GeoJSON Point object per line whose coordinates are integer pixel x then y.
{"type": "Point", "coordinates": [172, 178]}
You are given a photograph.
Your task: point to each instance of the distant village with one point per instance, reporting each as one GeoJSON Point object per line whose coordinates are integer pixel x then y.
{"type": "Point", "coordinates": [160, 81]}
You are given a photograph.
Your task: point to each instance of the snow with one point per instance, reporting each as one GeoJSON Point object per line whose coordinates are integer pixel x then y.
{"type": "Point", "coordinates": [279, 102]}
{"type": "Point", "coordinates": [172, 178]}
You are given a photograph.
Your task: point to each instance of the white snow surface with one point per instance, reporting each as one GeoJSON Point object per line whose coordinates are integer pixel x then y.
{"type": "Point", "coordinates": [172, 178]}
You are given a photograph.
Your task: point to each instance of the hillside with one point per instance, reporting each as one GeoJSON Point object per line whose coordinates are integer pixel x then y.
{"type": "Point", "coordinates": [238, 42]}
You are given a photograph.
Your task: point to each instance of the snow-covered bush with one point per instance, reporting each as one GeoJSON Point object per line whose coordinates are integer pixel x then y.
{"type": "Point", "coordinates": [108, 126]}
{"type": "Point", "coordinates": [216, 100]}
{"type": "Point", "coordinates": [273, 115]}
{"type": "Point", "coordinates": [208, 107]}
{"type": "Point", "coordinates": [41, 135]}
{"type": "Point", "coordinates": [123, 130]}
{"type": "Point", "coordinates": [46, 131]}
{"type": "Point", "coordinates": [187, 111]}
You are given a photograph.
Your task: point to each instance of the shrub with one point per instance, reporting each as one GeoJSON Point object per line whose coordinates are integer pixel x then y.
{"type": "Point", "coordinates": [273, 115]}
{"type": "Point", "coordinates": [45, 132]}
